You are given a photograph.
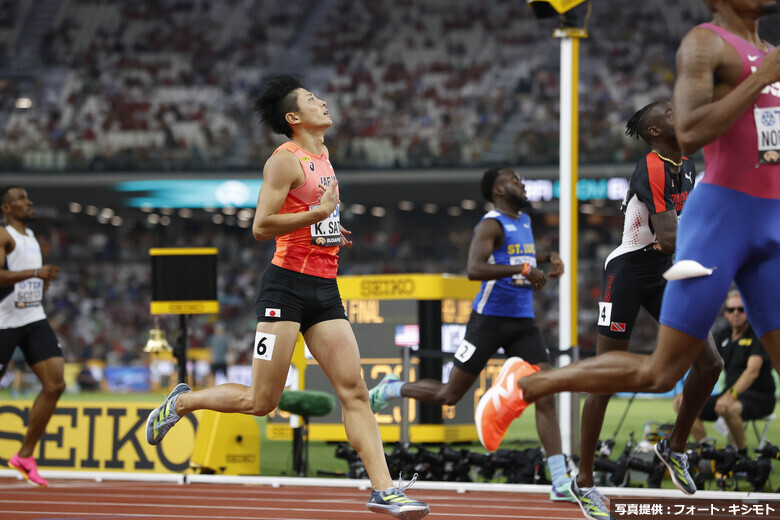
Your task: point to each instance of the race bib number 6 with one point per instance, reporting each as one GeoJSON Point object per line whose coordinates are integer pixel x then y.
{"type": "Point", "coordinates": [264, 346]}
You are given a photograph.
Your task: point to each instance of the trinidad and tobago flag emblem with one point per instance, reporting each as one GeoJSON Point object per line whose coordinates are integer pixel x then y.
{"type": "Point", "coordinates": [617, 327]}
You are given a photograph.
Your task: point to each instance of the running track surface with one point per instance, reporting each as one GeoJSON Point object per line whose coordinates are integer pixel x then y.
{"type": "Point", "coordinates": [89, 500]}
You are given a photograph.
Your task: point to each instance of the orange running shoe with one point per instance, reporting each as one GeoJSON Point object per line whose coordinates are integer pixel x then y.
{"type": "Point", "coordinates": [502, 403]}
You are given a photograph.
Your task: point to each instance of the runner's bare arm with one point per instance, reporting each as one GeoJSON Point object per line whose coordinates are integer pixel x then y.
{"type": "Point", "coordinates": [702, 113]}
{"type": "Point", "coordinates": [665, 227]}
{"type": "Point", "coordinates": [487, 236]}
{"type": "Point", "coordinates": [282, 172]}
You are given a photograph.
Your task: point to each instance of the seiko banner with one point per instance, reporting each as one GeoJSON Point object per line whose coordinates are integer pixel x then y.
{"type": "Point", "coordinates": [93, 436]}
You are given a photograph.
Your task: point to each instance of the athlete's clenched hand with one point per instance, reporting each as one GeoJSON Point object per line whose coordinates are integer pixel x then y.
{"type": "Point", "coordinates": [329, 197]}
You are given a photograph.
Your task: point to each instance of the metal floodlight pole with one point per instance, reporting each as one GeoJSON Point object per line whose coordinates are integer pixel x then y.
{"type": "Point", "coordinates": [406, 367]}
{"type": "Point", "coordinates": [568, 404]}
{"type": "Point", "coordinates": [182, 348]}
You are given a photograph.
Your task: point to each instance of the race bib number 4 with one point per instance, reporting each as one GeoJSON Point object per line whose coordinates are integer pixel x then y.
{"type": "Point", "coordinates": [768, 129]}
{"type": "Point", "coordinates": [605, 314]}
{"type": "Point", "coordinates": [326, 232]}
{"type": "Point", "coordinates": [28, 293]}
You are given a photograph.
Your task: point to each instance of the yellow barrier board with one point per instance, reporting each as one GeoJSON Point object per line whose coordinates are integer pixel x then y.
{"type": "Point", "coordinates": [185, 307]}
{"type": "Point", "coordinates": [390, 433]}
{"type": "Point", "coordinates": [227, 444]}
{"type": "Point", "coordinates": [406, 287]}
{"type": "Point", "coordinates": [182, 251]}
{"type": "Point", "coordinates": [98, 436]}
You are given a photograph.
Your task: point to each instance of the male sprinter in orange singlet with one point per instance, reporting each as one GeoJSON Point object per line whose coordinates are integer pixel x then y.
{"type": "Point", "coordinates": [298, 205]}
{"type": "Point", "coordinates": [727, 100]}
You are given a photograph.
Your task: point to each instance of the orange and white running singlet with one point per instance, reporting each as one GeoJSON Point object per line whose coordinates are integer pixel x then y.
{"type": "Point", "coordinates": [312, 250]}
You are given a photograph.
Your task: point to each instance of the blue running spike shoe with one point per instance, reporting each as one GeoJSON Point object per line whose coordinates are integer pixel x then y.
{"type": "Point", "coordinates": [377, 395]}
{"type": "Point", "coordinates": [394, 502]}
{"type": "Point", "coordinates": [591, 502]}
{"type": "Point", "coordinates": [677, 464]}
{"type": "Point", "coordinates": [562, 493]}
{"type": "Point", "coordinates": [164, 416]}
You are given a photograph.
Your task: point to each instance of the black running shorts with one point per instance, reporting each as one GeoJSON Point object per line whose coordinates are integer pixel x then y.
{"type": "Point", "coordinates": [36, 340]}
{"type": "Point", "coordinates": [630, 281]}
{"type": "Point", "coordinates": [754, 406]}
{"type": "Point", "coordinates": [285, 295]}
{"type": "Point", "coordinates": [486, 334]}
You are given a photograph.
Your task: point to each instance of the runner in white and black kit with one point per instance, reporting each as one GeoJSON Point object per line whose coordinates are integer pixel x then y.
{"type": "Point", "coordinates": [633, 272]}
{"type": "Point", "coordinates": [23, 281]}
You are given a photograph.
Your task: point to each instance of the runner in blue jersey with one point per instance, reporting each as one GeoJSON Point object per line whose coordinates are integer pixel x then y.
{"type": "Point", "coordinates": [503, 255]}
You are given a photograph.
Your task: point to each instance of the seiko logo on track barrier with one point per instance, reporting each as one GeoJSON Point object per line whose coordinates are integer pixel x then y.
{"type": "Point", "coordinates": [96, 438]}
{"type": "Point", "coordinates": [385, 288]}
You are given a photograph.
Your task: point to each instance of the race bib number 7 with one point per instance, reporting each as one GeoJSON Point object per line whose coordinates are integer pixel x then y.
{"type": "Point", "coordinates": [768, 130]}
{"type": "Point", "coordinates": [326, 232]}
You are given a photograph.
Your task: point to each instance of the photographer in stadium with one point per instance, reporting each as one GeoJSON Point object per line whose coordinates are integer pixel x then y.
{"type": "Point", "coordinates": [750, 387]}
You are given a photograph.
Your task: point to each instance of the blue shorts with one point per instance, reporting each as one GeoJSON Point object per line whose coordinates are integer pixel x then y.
{"type": "Point", "coordinates": [739, 235]}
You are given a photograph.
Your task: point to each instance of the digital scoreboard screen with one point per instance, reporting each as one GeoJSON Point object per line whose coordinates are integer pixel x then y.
{"type": "Point", "coordinates": [184, 280]}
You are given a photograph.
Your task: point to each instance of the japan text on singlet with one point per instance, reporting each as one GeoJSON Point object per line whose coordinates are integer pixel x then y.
{"type": "Point", "coordinates": [314, 249]}
{"type": "Point", "coordinates": [509, 297]}
{"type": "Point", "coordinates": [22, 303]}
{"type": "Point", "coordinates": [747, 157]}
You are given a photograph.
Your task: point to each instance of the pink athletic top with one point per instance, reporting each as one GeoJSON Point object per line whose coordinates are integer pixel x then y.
{"type": "Point", "coordinates": [747, 157]}
{"type": "Point", "coordinates": [314, 249]}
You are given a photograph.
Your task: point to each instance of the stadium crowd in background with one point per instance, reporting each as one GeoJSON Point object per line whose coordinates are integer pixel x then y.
{"type": "Point", "coordinates": [116, 91]}
{"type": "Point", "coordinates": [99, 308]}
{"type": "Point", "coordinates": [165, 85]}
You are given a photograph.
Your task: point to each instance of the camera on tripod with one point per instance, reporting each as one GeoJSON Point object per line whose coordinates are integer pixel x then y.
{"type": "Point", "coordinates": [450, 465]}
{"type": "Point", "coordinates": [637, 457]}
{"type": "Point", "coordinates": [728, 464]}
{"type": "Point", "coordinates": [356, 468]}
{"type": "Point", "coordinates": [768, 451]}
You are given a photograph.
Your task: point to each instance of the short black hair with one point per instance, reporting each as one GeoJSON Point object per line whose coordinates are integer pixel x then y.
{"type": "Point", "coordinates": [489, 181]}
{"type": "Point", "coordinates": [275, 100]}
{"type": "Point", "coordinates": [4, 191]}
{"type": "Point", "coordinates": [637, 126]}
